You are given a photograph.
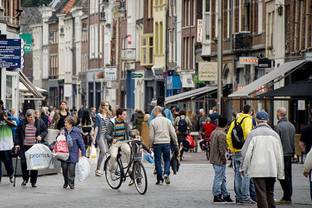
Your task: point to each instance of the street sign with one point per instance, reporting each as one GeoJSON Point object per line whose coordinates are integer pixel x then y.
{"type": "Point", "coordinates": [27, 38]}
{"type": "Point", "coordinates": [10, 53]}
{"type": "Point", "coordinates": [136, 75]}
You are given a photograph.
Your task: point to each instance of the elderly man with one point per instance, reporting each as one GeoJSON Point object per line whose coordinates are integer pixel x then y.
{"type": "Point", "coordinates": [161, 132]}
{"type": "Point", "coordinates": [286, 131]}
{"type": "Point", "coordinates": [263, 160]}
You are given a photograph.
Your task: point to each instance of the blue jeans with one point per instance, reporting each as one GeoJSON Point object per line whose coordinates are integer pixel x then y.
{"type": "Point", "coordinates": [219, 182]}
{"type": "Point", "coordinates": [162, 150]}
{"type": "Point", "coordinates": [241, 184]}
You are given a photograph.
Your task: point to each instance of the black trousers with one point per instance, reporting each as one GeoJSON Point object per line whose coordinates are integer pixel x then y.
{"type": "Point", "coordinates": [6, 158]}
{"type": "Point", "coordinates": [26, 173]}
{"type": "Point", "coordinates": [287, 183]}
{"type": "Point", "coordinates": [265, 192]}
{"type": "Point", "coordinates": [68, 170]}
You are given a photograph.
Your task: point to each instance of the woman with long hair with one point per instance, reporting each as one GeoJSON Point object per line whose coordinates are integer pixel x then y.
{"type": "Point", "coordinates": [102, 124]}
{"type": "Point", "coordinates": [63, 113]}
{"type": "Point", "coordinates": [86, 127]}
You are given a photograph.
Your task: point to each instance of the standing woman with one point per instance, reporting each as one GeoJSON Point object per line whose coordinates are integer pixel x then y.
{"type": "Point", "coordinates": [30, 131]}
{"type": "Point", "coordinates": [62, 115]}
{"type": "Point", "coordinates": [86, 127]}
{"type": "Point", "coordinates": [103, 123]}
{"type": "Point", "coordinates": [75, 142]}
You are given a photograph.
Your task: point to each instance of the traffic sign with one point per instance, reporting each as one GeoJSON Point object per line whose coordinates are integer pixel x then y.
{"type": "Point", "coordinates": [10, 53]}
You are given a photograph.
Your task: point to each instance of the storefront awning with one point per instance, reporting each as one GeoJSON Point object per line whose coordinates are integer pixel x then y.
{"type": "Point", "coordinates": [30, 87]}
{"type": "Point", "coordinates": [189, 94]}
{"type": "Point", "coordinates": [269, 77]}
{"type": "Point", "coordinates": [300, 89]}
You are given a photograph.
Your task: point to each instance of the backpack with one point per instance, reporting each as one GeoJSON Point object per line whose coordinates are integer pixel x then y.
{"type": "Point", "coordinates": [182, 125]}
{"type": "Point", "coordinates": [237, 134]}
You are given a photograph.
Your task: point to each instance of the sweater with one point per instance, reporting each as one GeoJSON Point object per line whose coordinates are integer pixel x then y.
{"type": "Point", "coordinates": [76, 143]}
{"type": "Point", "coordinates": [286, 131]}
{"type": "Point", "coordinates": [264, 154]}
{"type": "Point", "coordinates": [161, 131]}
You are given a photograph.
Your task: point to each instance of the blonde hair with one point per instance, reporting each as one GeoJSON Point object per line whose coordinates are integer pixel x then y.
{"type": "Point", "coordinates": [103, 109]}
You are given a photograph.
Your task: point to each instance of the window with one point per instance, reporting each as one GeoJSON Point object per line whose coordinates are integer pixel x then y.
{"type": "Point", "coordinates": [161, 39]}
{"type": "Point", "coordinates": [228, 19]}
{"type": "Point", "coordinates": [149, 8]}
{"type": "Point", "coordinates": [156, 39]}
{"type": "Point", "coordinates": [84, 33]}
{"type": "Point", "coordinates": [147, 50]}
{"type": "Point", "coordinates": [53, 37]}
{"type": "Point", "coordinates": [53, 73]}
{"type": "Point", "coordinates": [207, 7]}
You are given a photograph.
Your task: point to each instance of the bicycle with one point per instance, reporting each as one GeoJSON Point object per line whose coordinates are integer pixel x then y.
{"type": "Point", "coordinates": [137, 174]}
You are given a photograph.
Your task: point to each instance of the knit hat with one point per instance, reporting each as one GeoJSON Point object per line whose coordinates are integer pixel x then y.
{"type": "Point", "coordinates": [262, 116]}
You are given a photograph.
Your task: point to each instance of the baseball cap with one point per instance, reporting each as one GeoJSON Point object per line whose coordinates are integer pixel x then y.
{"type": "Point", "coordinates": [262, 115]}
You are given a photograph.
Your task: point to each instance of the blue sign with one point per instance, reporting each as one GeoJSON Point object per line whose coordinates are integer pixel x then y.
{"type": "Point", "coordinates": [10, 53]}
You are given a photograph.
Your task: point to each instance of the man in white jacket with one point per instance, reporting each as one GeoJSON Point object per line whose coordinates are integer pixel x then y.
{"type": "Point", "coordinates": [308, 169]}
{"type": "Point", "coordinates": [263, 160]}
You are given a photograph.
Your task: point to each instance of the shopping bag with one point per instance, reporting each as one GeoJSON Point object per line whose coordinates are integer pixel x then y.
{"type": "Point", "coordinates": [148, 157]}
{"type": "Point", "coordinates": [38, 157]}
{"type": "Point", "coordinates": [83, 169]}
{"type": "Point", "coordinates": [93, 154]}
{"type": "Point", "coordinates": [191, 141]}
{"type": "Point", "coordinates": [60, 149]}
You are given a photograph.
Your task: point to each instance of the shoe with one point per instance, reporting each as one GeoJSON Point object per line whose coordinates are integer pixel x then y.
{"type": "Point", "coordinates": [228, 199]}
{"type": "Point", "coordinates": [250, 201]}
{"type": "Point", "coordinates": [131, 183]}
{"type": "Point", "coordinates": [65, 186]}
{"type": "Point", "coordinates": [71, 187]}
{"type": "Point", "coordinates": [98, 173]}
{"type": "Point", "coordinates": [218, 199]}
{"type": "Point", "coordinates": [24, 182]}
{"type": "Point", "coordinates": [160, 182]}
{"type": "Point", "coordinates": [167, 179]}
{"type": "Point", "coordinates": [33, 185]}
{"type": "Point", "coordinates": [283, 201]}
{"type": "Point", "coordinates": [12, 179]}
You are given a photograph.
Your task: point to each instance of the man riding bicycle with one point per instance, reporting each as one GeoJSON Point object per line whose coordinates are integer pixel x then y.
{"type": "Point", "coordinates": [121, 134]}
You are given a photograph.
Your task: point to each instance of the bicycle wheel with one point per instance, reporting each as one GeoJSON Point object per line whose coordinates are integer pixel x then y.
{"type": "Point", "coordinates": [113, 178]}
{"type": "Point", "coordinates": [139, 177]}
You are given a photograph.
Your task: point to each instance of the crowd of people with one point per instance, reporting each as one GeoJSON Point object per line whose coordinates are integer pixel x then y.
{"type": "Point", "coordinates": [260, 153]}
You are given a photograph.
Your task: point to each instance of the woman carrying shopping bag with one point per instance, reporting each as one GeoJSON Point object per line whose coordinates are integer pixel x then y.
{"type": "Point", "coordinates": [103, 133]}
{"type": "Point", "coordinates": [29, 132]}
{"type": "Point", "coordinates": [75, 142]}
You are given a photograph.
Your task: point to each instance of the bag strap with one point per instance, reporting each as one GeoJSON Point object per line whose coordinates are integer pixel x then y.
{"type": "Point", "coordinates": [240, 123]}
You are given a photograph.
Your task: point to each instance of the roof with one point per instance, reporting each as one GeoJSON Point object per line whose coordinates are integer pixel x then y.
{"type": "Point", "coordinates": [68, 6]}
{"type": "Point", "coordinates": [190, 94]}
{"type": "Point", "coordinates": [269, 77]}
{"type": "Point", "coordinates": [31, 88]}
{"type": "Point", "coordinates": [30, 16]}
{"type": "Point", "coordinates": [297, 89]}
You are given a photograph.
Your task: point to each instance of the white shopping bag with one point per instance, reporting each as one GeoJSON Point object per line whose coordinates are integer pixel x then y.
{"type": "Point", "coordinates": [38, 157]}
{"type": "Point", "coordinates": [93, 154]}
{"type": "Point", "coordinates": [83, 169]}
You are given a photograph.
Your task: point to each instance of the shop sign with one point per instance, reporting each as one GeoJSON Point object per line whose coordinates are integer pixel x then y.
{"type": "Point", "coordinates": [137, 75]}
{"type": "Point", "coordinates": [187, 81]}
{"type": "Point", "coordinates": [301, 105]}
{"type": "Point", "coordinates": [199, 30]}
{"type": "Point", "coordinates": [207, 71]}
{"type": "Point", "coordinates": [27, 39]}
{"type": "Point", "coordinates": [110, 74]}
{"type": "Point", "coordinates": [248, 60]}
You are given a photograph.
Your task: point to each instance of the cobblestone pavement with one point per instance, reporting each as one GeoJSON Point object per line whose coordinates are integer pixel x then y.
{"type": "Point", "coordinates": [190, 188]}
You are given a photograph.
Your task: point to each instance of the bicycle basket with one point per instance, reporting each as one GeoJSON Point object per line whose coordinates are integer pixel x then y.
{"type": "Point", "coordinates": [137, 151]}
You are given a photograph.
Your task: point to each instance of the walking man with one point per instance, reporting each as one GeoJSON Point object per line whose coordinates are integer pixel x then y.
{"type": "Point", "coordinates": [263, 160]}
{"type": "Point", "coordinates": [161, 133]}
{"type": "Point", "coordinates": [6, 142]}
{"type": "Point", "coordinates": [241, 183]}
{"type": "Point", "coordinates": [286, 131]}
{"type": "Point", "coordinates": [218, 161]}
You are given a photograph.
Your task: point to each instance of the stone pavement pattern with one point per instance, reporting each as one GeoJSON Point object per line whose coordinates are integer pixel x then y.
{"type": "Point", "coordinates": [190, 188]}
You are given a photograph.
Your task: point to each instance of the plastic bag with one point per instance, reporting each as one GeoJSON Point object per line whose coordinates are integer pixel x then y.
{"type": "Point", "coordinates": [38, 157]}
{"type": "Point", "coordinates": [60, 148]}
{"type": "Point", "coordinates": [83, 169]}
{"type": "Point", "coordinates": [93, 154]}
{"type": "Point", "coordinates": [148, 157]}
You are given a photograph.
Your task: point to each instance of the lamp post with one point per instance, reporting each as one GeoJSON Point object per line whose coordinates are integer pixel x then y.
{"type": "Point", "coordinates": [219, 54]}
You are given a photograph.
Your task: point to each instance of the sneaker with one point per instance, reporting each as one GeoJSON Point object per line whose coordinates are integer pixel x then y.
{"type": "Point", "coordinates": [24, 182]}
{"type": "Point", "coordinates": [34, 185]}
{"type": "Point", "coordinates": [283, 201]}
{"type": "Point", "coordinates": [228, 199]}
{"type": "Point", "coordinates": [131, 183]}
{"type": "Point", "coordinates": [160, 182]}
{"type": "Point", "coordinates": [167, 179]}
{"type": "Point", "coordinates": [98, 173]}
{"type": "Point", "coordinates": [218, 199]}
{"type": "Point", "coordinates": [250, 201]}
{"type": "Point", "coordinates": [65, 185]}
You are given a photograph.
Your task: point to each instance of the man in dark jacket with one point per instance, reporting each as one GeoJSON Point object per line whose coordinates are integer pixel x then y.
{"type": "Point", "coordinates": [218, 160]}
{"type": "Point", "coordinates": [286, 131]}
{"type": "Point", "coordinates": [29, 132]}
